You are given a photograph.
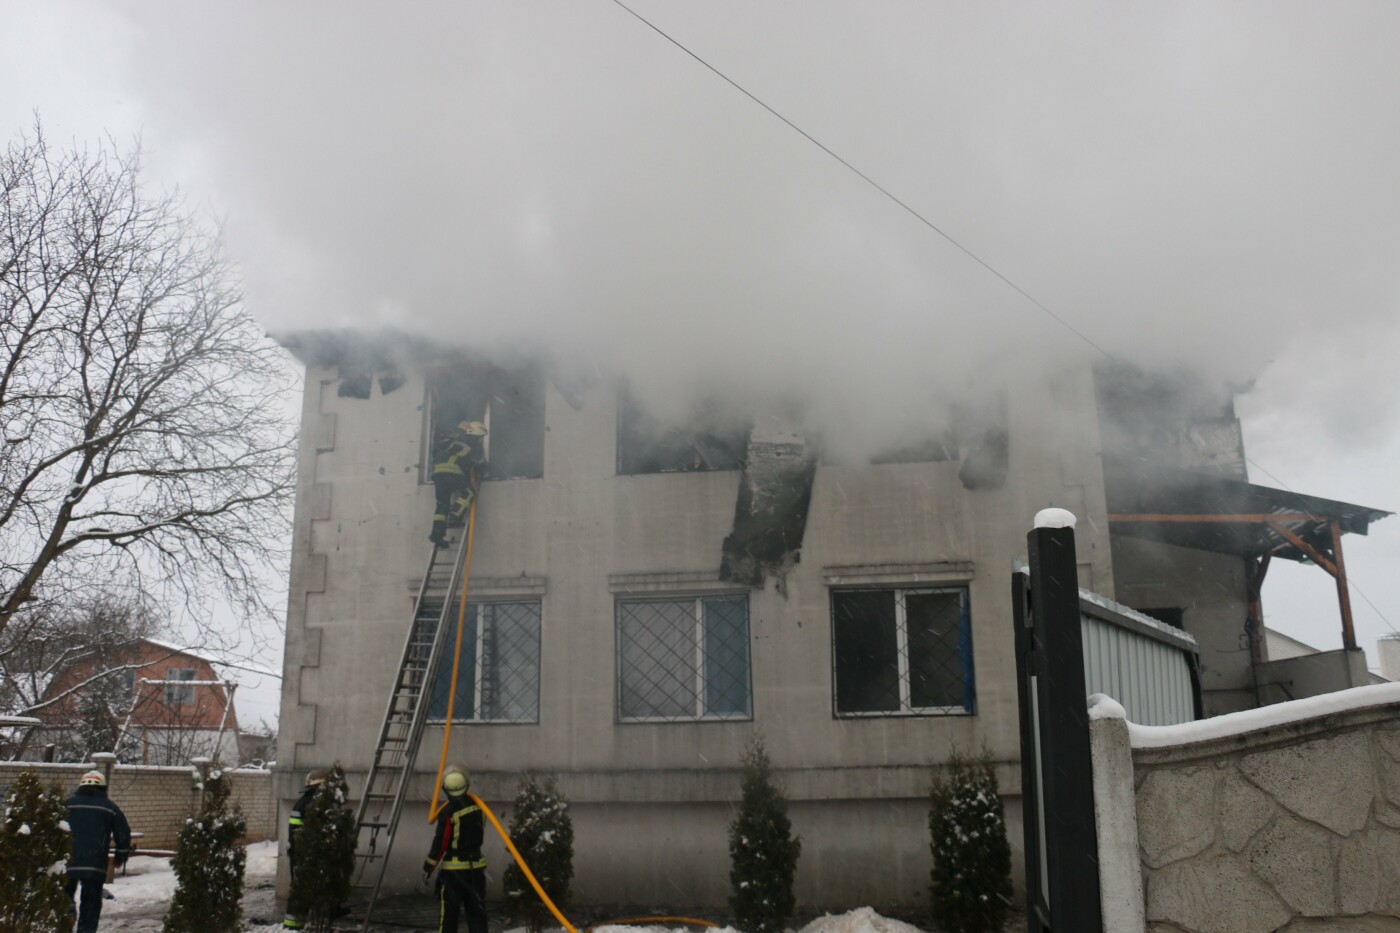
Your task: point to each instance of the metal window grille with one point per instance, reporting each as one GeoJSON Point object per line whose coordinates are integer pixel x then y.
{"type": "Point", "coordinates": [683, 659]}
{"type": "Point", "coordinates": [902, 652]}
{"type": "Point", "coordinates": [498, 678]}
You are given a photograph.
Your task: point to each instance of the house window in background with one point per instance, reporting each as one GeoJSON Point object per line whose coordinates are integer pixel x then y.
{"type": "Point", "coordinates": [175, 694]}
{"type": "Point", "coordinates": [902, 651]}
{"type": "Point", "coordinates": [498, 674]}
{"type": "Point", "coordinates": [683, 658]}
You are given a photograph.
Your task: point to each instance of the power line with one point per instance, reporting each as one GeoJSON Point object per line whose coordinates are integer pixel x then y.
{"type": "Point", "coordinates": [871, 182]}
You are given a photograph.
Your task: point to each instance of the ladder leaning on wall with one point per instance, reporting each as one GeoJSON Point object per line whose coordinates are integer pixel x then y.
{"type": "Point", "coordinates": [396, 749]}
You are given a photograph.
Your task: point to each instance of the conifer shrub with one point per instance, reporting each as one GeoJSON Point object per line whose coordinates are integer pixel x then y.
{"type": "Point", "coordinates": [971, 878]}
{"type": "Point", "coordinates": [33, 839]}
{"type": "Point", "coordinates": [762, 849]}
{"type": "Point", "coordinates": [209, 865]}
{"type": "Point", "coordinates": [325, 855]}
{"type": "Point", "coordinates": [543, 832]}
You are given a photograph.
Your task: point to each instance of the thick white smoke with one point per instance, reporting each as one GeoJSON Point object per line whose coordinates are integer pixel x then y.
{"type": "Point", "coordinates": [1192, 184]}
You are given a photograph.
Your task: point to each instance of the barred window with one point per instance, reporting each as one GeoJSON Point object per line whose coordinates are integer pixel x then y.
{"type": "Point", "coordinates": [685, 658]}
{"type": "Point", "coordinates": [902, 651]}
{"type": "Point", "coordinates": [498, 676]}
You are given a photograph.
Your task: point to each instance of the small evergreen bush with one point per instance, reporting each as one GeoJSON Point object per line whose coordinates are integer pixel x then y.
{"type": "Point", "coordinates": [762, 849]}
{"type": "Point", "coordinates": [208, 865]}
{"type": "Point", "coordinates": [971, 890]}
{"type": "Point", "coordinates": [543, 832]}
{"type": "Point", "coordinates": [325, 855]}
{"type": "Point", "coordinates": [33, 838]}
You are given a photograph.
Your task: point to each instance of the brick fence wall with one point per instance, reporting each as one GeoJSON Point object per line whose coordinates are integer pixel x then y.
{"type": "Point", "coordinates": [158, 800]}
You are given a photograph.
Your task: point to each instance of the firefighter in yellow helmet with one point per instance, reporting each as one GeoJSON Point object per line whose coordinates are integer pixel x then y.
{"type": "Point", "coordinates": [456, 854]}
{"type": "Point", "coordinates": [314, 779]}
{"type": "Point", "coordinates": [458, 458]}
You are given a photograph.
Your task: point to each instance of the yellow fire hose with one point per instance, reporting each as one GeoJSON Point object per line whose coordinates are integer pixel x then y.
{"type": "Point", "coordinates": [436, 808]}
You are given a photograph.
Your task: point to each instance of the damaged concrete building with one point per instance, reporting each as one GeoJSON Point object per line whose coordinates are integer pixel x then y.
{"type": "Point", "coordinates": [648, 594]}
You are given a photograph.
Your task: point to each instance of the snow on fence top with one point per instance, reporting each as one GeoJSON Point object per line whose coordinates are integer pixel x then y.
{"type": "Point", "coordinates": [1250, 720]}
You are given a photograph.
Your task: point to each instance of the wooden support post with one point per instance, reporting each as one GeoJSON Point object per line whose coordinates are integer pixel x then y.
{"type": "Point", "coordinates": [1343, 591]}
{"type": "Point", "coordinates": [1255, 570]}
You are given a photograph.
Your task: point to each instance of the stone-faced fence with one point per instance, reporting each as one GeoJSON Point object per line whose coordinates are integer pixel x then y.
{"type": "Point", "coordinates": [1285, 818]}
{"type": "Point", "coordinates": [158, 800]}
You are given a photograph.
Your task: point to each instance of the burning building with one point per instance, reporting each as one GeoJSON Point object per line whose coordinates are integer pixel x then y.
{"type": "Point", "coordinates": [647, 592]}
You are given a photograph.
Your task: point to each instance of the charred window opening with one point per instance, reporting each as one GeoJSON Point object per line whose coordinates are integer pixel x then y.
{"type": "Point", "coordinates": [713, 438]}
{"type": "Point", "coordinates": [977, 435]}
{"type": "Point", "coordinates": [902, 651]}
{"type": "Point", "coordinates": [509, 402]}
{"type": "Point", "coordinates": [940, 447]}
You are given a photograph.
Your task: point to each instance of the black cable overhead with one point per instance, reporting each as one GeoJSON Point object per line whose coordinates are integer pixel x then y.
{"type": "Point", "coordinates": [872, 183]}
{"type": "Point", "coordinates": [935, 228]}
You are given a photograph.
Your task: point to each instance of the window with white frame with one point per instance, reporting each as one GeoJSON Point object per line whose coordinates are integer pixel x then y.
{"type": "Point", "coordinates": [899, 651]}
{"type": "Point", "coordinates": [175, 694]}
{"type": "Point", "coordinates": [498, 674]}
{"type": "Point", "coordinates": [683, 658]}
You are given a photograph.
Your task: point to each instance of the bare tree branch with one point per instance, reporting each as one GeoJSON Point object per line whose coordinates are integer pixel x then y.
{"type": "Point", "coordinates": [143, 411]}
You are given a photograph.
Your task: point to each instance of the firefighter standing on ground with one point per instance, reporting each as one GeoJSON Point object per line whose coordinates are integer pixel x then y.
{"type": "Point", "coordinates": [295, 822]}
{"type": "Point", "coordinates": [94, 822]}
{"type": "Point", "coordinates": [456, 853]}
{"type": "Point", "coordinates": [457, 461]}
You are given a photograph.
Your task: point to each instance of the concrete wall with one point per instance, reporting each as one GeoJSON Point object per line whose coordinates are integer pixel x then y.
{"type": "Point", "coordinates": [1211, 589]}
{"type": "Point", "coordinates": [1312, 675]}
{"type": "Point", "coordinates": [1285, 818]}
{"type": "Point", "coordinates": [583, 535]}
{"type": "Point", "coordinates": [158, 800]}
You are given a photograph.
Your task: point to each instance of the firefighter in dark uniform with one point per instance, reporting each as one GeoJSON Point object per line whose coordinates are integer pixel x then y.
{"type": "Point", "coordinates": [457, 465]}
{"type": "Point", "coordinates": [456, 853]}
{"type": "Point", "coordinates": [94, 822]}
{"type": "Point", "coordinates": [295, 822]}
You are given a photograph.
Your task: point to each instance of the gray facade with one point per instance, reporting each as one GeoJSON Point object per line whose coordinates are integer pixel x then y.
{"type": "Point", "coordinates": [652, 799]}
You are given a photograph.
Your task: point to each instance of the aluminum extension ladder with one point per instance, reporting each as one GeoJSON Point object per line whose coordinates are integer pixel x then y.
{"type": "Point", "coordinates": [391, 768]}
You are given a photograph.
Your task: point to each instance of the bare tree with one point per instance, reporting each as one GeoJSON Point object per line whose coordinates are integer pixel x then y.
{"type": "Point", "coordinates": [145, 438]}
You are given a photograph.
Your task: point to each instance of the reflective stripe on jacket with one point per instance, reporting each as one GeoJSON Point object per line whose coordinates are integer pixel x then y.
{"type": "Point", "coordinates": [457, 838]}
{"type": "Point", "coordinates": [457, 456]}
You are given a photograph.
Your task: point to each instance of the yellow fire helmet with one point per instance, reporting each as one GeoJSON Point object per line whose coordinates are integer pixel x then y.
{"type": "Point", "coordinates": [456, 781]}
{"type": "Point", "coordinates": [472, 428]}
{"type": "Point", "coordinates": [313, 778]}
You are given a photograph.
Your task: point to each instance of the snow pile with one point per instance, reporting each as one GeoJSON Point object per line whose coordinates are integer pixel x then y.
{"type": "Point", "coordinates": [860, 920]}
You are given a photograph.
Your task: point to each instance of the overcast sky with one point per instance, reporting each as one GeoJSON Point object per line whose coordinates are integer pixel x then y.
{"type": "Point", "coordinates": [1205, 185]}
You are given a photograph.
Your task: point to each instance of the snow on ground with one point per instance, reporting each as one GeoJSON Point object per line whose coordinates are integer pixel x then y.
{"type": "Point", "coordinates": [140, 898]}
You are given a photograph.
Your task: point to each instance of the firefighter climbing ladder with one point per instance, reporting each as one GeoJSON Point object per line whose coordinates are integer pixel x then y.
{"type": "Point", "coordinates": [391, 767]}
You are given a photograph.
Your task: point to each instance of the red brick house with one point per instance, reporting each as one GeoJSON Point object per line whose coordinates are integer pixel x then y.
{"type": "Point", "coordinates": [156, 704]}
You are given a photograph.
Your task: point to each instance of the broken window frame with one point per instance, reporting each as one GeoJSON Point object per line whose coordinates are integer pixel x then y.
{"type": "Point", "coordinates": [492, 472]}
{"type": "Point", "coordinates": [904, 664]}
{"type": "Point", "coordinates": [699, 675]}
{"type": "Point", "coordinates": [634, 462]}
{"type": "Point", "coordinates": [476, 664]}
